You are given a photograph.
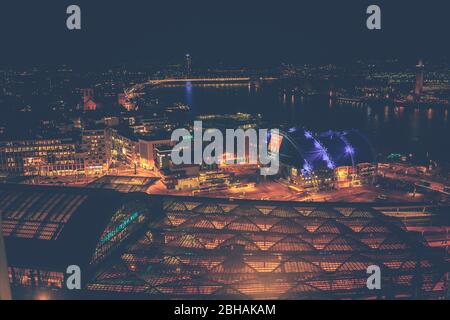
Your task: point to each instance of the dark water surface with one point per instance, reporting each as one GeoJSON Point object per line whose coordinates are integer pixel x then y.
{"type": "Point", "coordinates": [391, 129]}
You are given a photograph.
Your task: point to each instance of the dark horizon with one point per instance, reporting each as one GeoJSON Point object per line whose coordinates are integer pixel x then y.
{"type": "Point", "coordinates": [254, 34]}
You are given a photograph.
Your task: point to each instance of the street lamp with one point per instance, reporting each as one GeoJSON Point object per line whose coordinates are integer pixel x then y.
{"type": "Point", "coordinates": [5, 290]}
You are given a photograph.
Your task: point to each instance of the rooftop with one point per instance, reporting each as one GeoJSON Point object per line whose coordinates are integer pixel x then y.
{"type": "Point", "coordinates": [216, 248]}
{"type": "Point", "coordinates": [54, 226]}
{"type": "Point", "coordinates": [193, 247]}
{"type": "Point", "coordinates": [123, 183]}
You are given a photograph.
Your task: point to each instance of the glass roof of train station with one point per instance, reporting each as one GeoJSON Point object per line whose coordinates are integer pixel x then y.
{"type": "Point", "coordinates": [191, 247]}
{"type": "Point", "coordinates": [216, 249]}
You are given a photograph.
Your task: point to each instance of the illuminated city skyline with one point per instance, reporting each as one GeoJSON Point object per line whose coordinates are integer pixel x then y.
{"type": "Point", "coordinates": [316, 166]}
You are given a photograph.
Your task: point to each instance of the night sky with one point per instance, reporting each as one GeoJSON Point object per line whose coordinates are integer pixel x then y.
{"type": "Point", "coordinates": [244, 32]}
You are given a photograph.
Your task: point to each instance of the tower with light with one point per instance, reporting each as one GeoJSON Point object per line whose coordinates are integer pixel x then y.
{"type": "Point", "coordinates": [5, 290]}
{"type": "Point", "coordinates": [418, 89]}
{"type": "Point", "coordinates": [188, 64]}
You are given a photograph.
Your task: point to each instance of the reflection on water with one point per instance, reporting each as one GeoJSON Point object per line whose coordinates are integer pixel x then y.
{"type": "Point", "coordinates": [415, 124]}
{"type": "Point", "coordinates": [430, 114]}
{"type": "Point", "coordinates": [390, 128]}
{"type": "Point", "coordinates": [189, 96]}
{"type": "Point", "coordinates": [386, 114]}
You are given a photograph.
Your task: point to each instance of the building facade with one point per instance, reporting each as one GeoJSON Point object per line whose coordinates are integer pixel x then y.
{"type": "Point", "coordinates": [124, 148]}
{"type": "Point", "coordinates": [147, 147]}
{"type": "Point", "coordinates": [96, 147]}
{"type": "Point", "coordinates": [52, 157]}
